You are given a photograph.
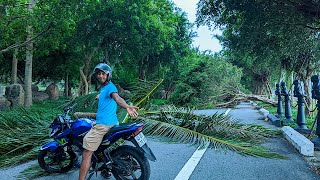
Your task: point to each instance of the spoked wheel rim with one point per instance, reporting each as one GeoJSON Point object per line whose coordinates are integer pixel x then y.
{"type": "Point", "coordinates": [57, 162]}
{"type": "Point", "coordinates": [127, 167]}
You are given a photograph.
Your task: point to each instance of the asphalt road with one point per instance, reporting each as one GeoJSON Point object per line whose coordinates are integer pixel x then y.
{"type": "Point", "coordinates": [213, 164]}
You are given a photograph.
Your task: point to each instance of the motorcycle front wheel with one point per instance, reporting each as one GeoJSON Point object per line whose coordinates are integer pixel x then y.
{"type": "Point", "coordinates": [58, 161]}
{"type": "Point", "coordinates": [130, 163]}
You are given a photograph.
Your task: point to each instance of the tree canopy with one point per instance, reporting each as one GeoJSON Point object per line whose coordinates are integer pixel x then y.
{"type": "Point", "coordinates": [266, 37]}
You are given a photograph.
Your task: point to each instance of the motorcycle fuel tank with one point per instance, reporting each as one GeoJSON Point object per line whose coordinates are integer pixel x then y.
{"type": "Point", "coordinates": [81, 126]}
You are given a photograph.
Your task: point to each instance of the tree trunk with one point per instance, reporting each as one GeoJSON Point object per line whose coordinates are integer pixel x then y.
{"type": "Point", "coordinates": [86, 71]}
{"type": "Point", "coordinates": [291, 90]}
{"type": "Point", "coordinates": [269, 90]}
{"type": "Point", "coordinates": [66, 86]}
{"type": "Point", "coordinates": [142, 68]}
{"type": "Point", "coordinates": [306, 90]}
{"type": "Point", "coordinates": [14, 67]}
{"type": "Point", "coordinates": [28, 68]}
{"type": "Point", "coordinates": [80, 89]}
{"type": "Point", "coordinates": [106, 55]}
{"type": "Point", "coordinates": [84, 80]}
{"type": "Point", "coordinates": [260, 88]}
{"type": "Point", "coordinates": [280, 75]}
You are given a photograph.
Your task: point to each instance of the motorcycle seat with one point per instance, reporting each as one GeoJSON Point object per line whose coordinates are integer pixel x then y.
{"type": "Point", "coordinates": [122, 127]}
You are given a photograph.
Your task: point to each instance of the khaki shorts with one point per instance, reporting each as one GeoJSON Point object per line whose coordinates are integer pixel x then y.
{"type": "Point", "coordinates": [93, 138]}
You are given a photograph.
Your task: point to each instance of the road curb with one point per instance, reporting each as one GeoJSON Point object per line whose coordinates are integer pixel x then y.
{"type": "Point", "coordinates": [261, 109]}
{"type": "Point", "coordinates": [300, 142]}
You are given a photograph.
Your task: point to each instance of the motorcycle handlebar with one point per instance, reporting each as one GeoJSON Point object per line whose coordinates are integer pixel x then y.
{"type": "Point", "coordinates": [73, 106]}
{"type": "Point", "coordinates": [69, 109]}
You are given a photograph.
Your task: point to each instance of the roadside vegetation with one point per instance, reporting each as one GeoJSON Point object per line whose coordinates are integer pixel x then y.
{"type": "Point", "coordinates": [148, 44]}
{"type": "Point", "coordinates": [24, 137]}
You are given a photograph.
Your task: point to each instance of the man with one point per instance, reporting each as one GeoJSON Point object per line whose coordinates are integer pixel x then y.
{"type": "Point", "coordinates": [106, 116]}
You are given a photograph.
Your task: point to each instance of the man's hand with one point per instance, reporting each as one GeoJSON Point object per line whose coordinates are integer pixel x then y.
{"type": "Point", "coordinates": [132, 111]}
{"type": "Point", "coordinates": [97, 97]}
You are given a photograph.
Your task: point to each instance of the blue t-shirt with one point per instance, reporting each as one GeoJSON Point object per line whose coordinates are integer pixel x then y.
{"type": "Point", "coordinates": [107, 106]}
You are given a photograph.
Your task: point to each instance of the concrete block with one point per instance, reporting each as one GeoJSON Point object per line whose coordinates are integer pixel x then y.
{"type": "Point", "coordinates": [264, 112]}
{"type": "Point", "coordinates": [253, 103]}
{"type": "Point", "coordinates": [300, 142]}
{"type": "Point", "coordinates": [275, 120]}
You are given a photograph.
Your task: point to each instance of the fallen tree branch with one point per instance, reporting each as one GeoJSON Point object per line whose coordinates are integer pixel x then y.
{"type": "Point", "coordinates": [260, 98]}
{"type": "Point", "coordinates": [85, 115]}
{"type": "Point", "coordinates": [237, 98]}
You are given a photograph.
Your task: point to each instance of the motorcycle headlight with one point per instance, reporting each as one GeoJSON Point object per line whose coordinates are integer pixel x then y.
{"type": "Point", "coordinates": [54, 131]}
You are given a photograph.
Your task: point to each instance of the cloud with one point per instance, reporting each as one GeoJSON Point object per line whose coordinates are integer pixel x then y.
{"type": "Point", "coordinates": [205, 39]}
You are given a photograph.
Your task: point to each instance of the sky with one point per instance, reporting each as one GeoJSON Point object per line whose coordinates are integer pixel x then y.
{"type": "Point", "coordinates": [205, 39]}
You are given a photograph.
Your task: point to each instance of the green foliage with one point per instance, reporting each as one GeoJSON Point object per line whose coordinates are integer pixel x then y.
{"type": "Point", "coordinates": [159, 102]}
{"type": "Point", "coordinates": [204, 79]}
{"type": "Point", "coordinates": [219, 131]}
{"type": "Point", "coordinates": [23, 131]}
{"type": "Point", "coordinates": [135, 36]}
{"type": "Point", "coordinates": [264, 37]}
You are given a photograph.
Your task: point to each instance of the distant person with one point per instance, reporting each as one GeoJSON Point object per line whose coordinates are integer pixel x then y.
{"type": "Point", "coordinates": [106, 117]}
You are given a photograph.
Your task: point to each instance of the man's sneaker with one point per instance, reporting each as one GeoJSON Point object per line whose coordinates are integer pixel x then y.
{"type": "Point", "coordinates": [106, 173]}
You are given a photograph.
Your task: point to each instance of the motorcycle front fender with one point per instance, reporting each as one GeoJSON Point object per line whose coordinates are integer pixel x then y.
{"type": "Point", "coordinates": [52, 146]}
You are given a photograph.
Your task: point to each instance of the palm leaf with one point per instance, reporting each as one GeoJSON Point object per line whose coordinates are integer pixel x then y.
{"type": "Point", "coordinates": [85, 103]}
{"type": "Point", "coordinates": [217, 125]}
{"type": "Point", "coordinates": [178, 124]}
{"type": "Point", "coordinates": [22, 133]}
{"type": "Point", "coordinates": [142, 90]}
{"type": "Point", "coordinates": [144, 99]}
{"type": "Point", "coordinates": [184, 135]}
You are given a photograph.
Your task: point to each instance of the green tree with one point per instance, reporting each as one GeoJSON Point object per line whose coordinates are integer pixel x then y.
{"type": "Point", "coordinates": [204, 81]}
{"type": "Point", "coordinates": [264, 37]}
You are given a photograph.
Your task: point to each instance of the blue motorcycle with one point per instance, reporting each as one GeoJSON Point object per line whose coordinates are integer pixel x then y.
{"type": "Point", "coordinates": [124, 161]}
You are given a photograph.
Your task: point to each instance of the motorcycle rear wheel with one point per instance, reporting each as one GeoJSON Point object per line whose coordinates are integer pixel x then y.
{"type": "Point", "coordinates": [59, 161]}
{"type": "Point", "coordinates": [130, 163]}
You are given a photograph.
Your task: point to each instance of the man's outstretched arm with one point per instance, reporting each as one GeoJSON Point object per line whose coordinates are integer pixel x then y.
{"type": "Point", "coordinates": [132, 110]}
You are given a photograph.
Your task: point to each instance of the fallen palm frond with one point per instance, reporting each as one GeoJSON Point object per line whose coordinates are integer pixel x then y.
{"type": "Point", "coordinates": [185, 135]}
{"type": "Point", "coordinates": [143, 99]}
{"type": "Point", "coordinates": [179, 124]}
{"type": "Point", "coordinates": [21, 137]}
{"type": "Point", "coordinates": [87, 103]}
{"type": "Point", "coordinates": [232, 99]}
{"type": "Point", "coordinates": [23, 131]}
{"type": "Point", "coordinates": [19, 158]}
{"type": "Point", "coordinates": [33, 172]}
{"type": "Point", "coordinates": [218, 125]}
{"type": "Point", "coordinates": [20, 119]}
{"type": "Point", "coordinates": [142, 90]}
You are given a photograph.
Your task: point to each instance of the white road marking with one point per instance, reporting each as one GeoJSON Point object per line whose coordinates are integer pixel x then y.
{"type": "Point", "coordinates": [189, 167]}
{"type": "Point", "coordinates": [227, 111]}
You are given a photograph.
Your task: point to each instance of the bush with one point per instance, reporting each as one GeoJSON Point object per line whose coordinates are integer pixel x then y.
{"type": "Point", "coordinates": [203, 83]}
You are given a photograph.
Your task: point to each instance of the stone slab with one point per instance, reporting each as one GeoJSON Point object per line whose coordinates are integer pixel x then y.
{"type": "Point", "coordinates": [300, 142]}
{"type": "Point", "coordinates": [264, 112]}
{"type": "Point", "coordinates": [275, 120]}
